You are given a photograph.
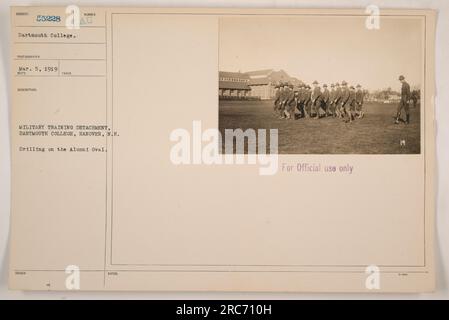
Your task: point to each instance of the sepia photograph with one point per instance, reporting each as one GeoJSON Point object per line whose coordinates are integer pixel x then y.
{"type": "Point", "coordinates": [328, 84]}
{"type": "Point", "coordinates": [285, 151]}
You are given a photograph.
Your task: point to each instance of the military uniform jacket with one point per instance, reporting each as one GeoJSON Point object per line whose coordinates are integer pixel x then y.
{"type": "Point", "coordinates": [302, 95]}
{"type": "Point", "coordinates": [405, 92]}
{"type": "Point", "coordinates": [345, 93]}
{"type": "Point", "coordinates": [285, 94]}
{"type": "Point", "coordinates": [326, 95]}
{"type": "Point", "coordinates": [308, 96]}
{"type": "Point", "coordinates": [291, 97]}
{"type": "Point", "coordinates": [277, 96]}
{"type": "Point", "coordinates": [359, 97]}
{"type": "Point", "coordinates": [352, 98]}
{"type": "Point", "coordinates": [332, 95]}
{"type": "Point", "coordinates": [316, 95]}
{"type": "Point", "coordinates": [338, 93]}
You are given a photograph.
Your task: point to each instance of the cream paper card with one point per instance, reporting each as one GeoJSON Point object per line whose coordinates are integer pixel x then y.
{"type": "Point", "coordinates": [121, 175]}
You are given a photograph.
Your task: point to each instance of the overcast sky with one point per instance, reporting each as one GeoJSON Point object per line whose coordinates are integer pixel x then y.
{"type": "Point", "coordinates": [327, 49]}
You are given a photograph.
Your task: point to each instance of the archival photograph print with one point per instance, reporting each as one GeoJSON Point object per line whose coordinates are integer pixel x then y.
{"type": "Point", "coordinates": [328, 84]}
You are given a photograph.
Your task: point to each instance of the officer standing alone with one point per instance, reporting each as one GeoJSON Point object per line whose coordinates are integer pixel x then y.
{"type": "Point", "coordinates": [404, 103]}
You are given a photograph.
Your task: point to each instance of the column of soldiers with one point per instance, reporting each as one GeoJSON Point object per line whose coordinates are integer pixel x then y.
{"type": "Point", "coordinates": [341, 101]}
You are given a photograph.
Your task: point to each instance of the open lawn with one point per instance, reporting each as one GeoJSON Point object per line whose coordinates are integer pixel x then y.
{"type": "Point", "coordinates": [376, 133]}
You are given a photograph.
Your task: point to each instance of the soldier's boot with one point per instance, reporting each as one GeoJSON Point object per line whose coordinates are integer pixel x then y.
{"type": "Point", "coordinates": [317, 112]}
{"type": "Point", "coordinates": [398, 115]}
{"type": "Point", "coordinates": [349, 115]}
{"type": "Point", "coordinates": [281, 112]}
{"type": "Point", "coordinates": [407, 121]}
{"type": "Point", "coordinates": [342, 113]}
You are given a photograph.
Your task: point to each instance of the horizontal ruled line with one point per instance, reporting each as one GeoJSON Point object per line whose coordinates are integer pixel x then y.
{"type": "Point", "coordinates": [59, 26]}
{"type": "Point", "coordinates": [24, 42]}
{"type": "Point", "coordinates": [63, 59]}
{"type": "Point", "coordinates": [60, 76]}
{"type": "Point", "coordinates": [228, 271]}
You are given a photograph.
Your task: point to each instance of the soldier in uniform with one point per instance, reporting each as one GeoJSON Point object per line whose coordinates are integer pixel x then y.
{"type": "Point", "coordinates": [325, 98]}
{"type": "Point", "coordinates": [350, 105]}
{"type": "Point", "coordinates": [302, 101]}
{"type": "Point", "coordinates": [308, 101]}
{"type": "Point", "coordinates": [299, 106]}
{"type": "Point", "coordinates": [277, 97]}
{"type": "Point", "coordinates": [332, 95]}
{"type": "Point", "coordinates": [283, 100]}
{"type": "Point", "coordinates": [337, 100]}
{"type": "Point", "coordinates": [404, 103]}
{"type": "Point", "coordinates": [359, 102]}
{"type": "Point", "coordinates": [415, 98]}
{"type": "Point", "coordinates": [292, 104]}
{"type": "Point", "coordinates": [316, 99]}
{"type": "Point", "coordinates": [344, 100]}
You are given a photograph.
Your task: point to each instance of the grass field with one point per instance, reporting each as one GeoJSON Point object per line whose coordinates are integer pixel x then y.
{"type": "Point", "coordinates": [376, 133]}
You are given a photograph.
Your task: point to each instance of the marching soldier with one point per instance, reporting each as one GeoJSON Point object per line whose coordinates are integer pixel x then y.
{"type": "Point", "coordinates": [325, 100]}
{"type": "Point", "coordinates": [283, 100]}
{"type": "Point", "coordinates": [359, 102]}
{"type": "Point", "coordinates": [302, 101]}
{"type": "Point", "coordinates": [277, 99]}
{"type": "Point", "coordinates": [404, 103]}
{"type": "Point", "coordinates": [337, 100]}
{"type": "Point", "coordinates": [308, 101]}
{"type": "Point", "coordinates": [350, 105]}
{"type": "Point", "coordinates": [344, 100]}
{"type": "Point", "coordinates": [292, 103]}
{"type": "Point", "coordinates": [332, 96]}
{"type": "Point", "coordinates": [316, 99]}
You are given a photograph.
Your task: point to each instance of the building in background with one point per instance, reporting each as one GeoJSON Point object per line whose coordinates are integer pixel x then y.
{"type": "Point", "coordinates": [233, 85]}
{"type": "Point", "coordinates": [262, 82]}
{"type": "Point", "coordinates": [259, 84]}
